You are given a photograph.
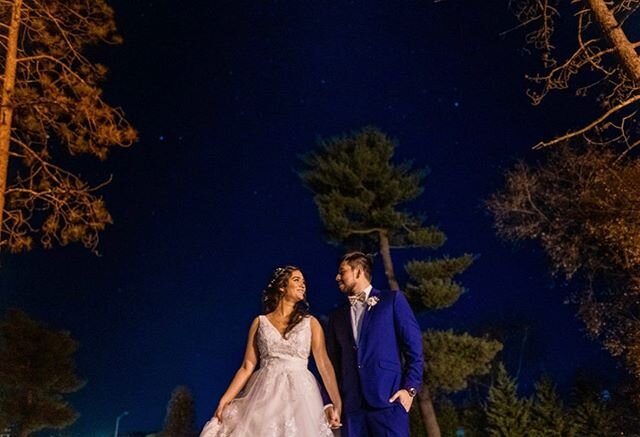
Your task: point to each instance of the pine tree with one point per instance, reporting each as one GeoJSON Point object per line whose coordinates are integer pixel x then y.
{"type": "Point", "coordinates": [36, 370]}
{"type": "Point", "coordinates": [591, 414]}
{"type": "Point", "coordinates": [563, 35]}
{"type": "Point", "coordinates": [473, 420]}
{"type": "Point", "coordinates": [448, 418]}
{"type": "Point", "coordinates": [52, 107]}
{"type": "Point", "coordinates": [416, 424]}
{"type": "Point", "coordinates": [450, 359]}
{"type": "Point", "coordinates": [507, 415]}
{"type": "Point", "coordinates": [180, 419]}
{"type": "Point", "coordinates": [548, 414]}
{"type": "Point", "coordinates": [360, 194]}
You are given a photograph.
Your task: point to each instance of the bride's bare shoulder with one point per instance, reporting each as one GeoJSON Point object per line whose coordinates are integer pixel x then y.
{"type": "Point", "coordinates": [314, 322]}
{"type": "Point", "coordinates": [255, 323]}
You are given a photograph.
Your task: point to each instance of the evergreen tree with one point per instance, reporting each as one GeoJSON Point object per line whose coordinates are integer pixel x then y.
{"type": "Point", "coordinates": [548, 414]}
{"type": "Point", "coordinates": [450, 359]}
{"type": "Point", "coordinates": [507, 415]}
{"type": "Point", "coordinates": [415, 423]}
{"type": "Point", "coordinates": [361, 196]}
{"type": "Point", "coordinates": [36, 370]}
{"type": "Point", "coordinates": [453, 420]}
{"type": "Point", "coordinates": [473, 420]}
{"type": "Point", "coordinates": [448, 418]}
{"type": "Point", "coordinates": [591, 413]}
{"type": "Point", "coordinates": [51, 107]}
{"type": "Point", "coordinates": [593, 419]}
{"type": "Point", "coordinates": [180, 419]}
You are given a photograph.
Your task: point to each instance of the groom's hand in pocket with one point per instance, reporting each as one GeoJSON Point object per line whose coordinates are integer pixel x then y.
{"type": "Point", "coordinates": [404, 398]}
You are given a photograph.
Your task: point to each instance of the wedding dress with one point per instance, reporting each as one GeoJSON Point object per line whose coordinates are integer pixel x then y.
{"type": "Point", "coordinates": [282, 398]}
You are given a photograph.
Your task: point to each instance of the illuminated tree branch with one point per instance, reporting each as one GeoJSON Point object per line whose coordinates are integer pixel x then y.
{"type": "Point", "coordinates": [602, 54]}
{"type": "Point", "coordinates": [50, 104]}
{"type": "Point", "coordinates": [590, 126]}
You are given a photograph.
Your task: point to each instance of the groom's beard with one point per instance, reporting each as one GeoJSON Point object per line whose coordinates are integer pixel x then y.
{"type": "Point", "coordinates": [349, 290]}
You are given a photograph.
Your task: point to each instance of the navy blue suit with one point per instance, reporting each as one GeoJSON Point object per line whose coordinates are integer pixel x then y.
{"type": "Point", "coordinates": [370, 371]}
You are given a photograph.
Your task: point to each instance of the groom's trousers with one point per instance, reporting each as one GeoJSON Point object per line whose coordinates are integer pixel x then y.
{"type": "Point", "coordinates": [377, 422]}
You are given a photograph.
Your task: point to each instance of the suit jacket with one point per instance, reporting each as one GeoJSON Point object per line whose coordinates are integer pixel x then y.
{"type": "Point", "coordinates": [387, 357]}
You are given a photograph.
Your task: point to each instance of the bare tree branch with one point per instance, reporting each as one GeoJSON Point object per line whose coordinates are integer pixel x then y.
{"type": "Point", "coordinates": [51, 102]}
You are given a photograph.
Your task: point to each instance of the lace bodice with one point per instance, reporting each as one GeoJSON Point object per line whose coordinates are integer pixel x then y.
{"type": "Point", "coordinates": [273, 347]}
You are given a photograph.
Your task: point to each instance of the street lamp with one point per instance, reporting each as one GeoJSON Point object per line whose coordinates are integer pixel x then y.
{"type": "Point", "coordinates": [124, 413]}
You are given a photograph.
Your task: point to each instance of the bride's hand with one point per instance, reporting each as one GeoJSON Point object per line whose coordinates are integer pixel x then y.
{"type": "Point", "coordinates": [219, 411]}
{"type": "Point", "coordinates": [333, 417]}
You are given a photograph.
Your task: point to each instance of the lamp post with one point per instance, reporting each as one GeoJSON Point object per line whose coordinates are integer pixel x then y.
{"type": "Point", "coordinates": [124, 413]}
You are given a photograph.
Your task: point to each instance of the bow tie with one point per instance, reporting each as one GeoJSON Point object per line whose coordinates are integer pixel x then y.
{"type": "Point", "coordinates": [355, 298]}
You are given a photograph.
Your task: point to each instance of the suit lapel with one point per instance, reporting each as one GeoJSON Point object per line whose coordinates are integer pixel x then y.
{"type": "Point", "coordinates": [346, 320]}
{"type": "Point", "coordinates": [367, 315]}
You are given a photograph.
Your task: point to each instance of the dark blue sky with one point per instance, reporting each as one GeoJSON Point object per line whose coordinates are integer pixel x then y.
{"type": "Point", "coordinates": [226, 96]}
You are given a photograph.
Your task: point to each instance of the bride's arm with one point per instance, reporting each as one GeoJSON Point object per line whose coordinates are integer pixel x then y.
{"type": "Point", "coordinates": [244, 372]}
{"type": "Point", "coordinates": [323, 363]}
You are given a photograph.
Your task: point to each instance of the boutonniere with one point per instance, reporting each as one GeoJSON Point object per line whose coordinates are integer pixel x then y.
{"type": "Point", "coordinates": [371, 302]}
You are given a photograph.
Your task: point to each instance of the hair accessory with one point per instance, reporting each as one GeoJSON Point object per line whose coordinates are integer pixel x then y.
{"type": "Point", "coordinates": [275, 275]}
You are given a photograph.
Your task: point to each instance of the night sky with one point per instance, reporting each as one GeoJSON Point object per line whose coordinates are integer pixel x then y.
{"type": "Point", "coordinates": [226, 96]}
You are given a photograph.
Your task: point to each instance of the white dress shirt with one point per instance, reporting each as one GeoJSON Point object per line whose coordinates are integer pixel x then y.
{"type": "Point", "coordinates": [357, 314]}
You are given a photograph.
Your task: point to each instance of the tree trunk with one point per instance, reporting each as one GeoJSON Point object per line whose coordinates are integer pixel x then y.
{"type": "Point", "coordinates": [385, 251]}
{"type": "Point", "coordinates": [427, 412]}
{"type": "Point", "coordinates": [613, 31]}
{"type": "Point", "coordinates": [23, 432]}
{"type": "Point", "coordinates": [6, 105]}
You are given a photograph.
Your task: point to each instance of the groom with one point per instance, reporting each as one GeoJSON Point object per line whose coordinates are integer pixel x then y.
{"type": "Point", "coordinates": [375, 345]}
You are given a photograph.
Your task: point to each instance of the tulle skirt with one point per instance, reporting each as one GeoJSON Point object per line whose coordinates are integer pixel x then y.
{"type": "Point", "coordinates": [278, 401]}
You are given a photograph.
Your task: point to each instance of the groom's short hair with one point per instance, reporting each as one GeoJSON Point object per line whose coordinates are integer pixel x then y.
{"type": "Point", "coordinates": [359, 260]}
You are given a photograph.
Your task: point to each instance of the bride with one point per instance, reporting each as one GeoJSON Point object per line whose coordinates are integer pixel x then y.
{"type": "Point", "coordinates": [281, 398]}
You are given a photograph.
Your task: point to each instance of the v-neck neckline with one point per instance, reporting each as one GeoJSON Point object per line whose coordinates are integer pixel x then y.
{"type": "Point", "coordinates": [274, 327]}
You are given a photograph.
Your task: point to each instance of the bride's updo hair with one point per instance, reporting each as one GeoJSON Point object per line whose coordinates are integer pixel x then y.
{"type": "Point", "coordinates": [272, 294]}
